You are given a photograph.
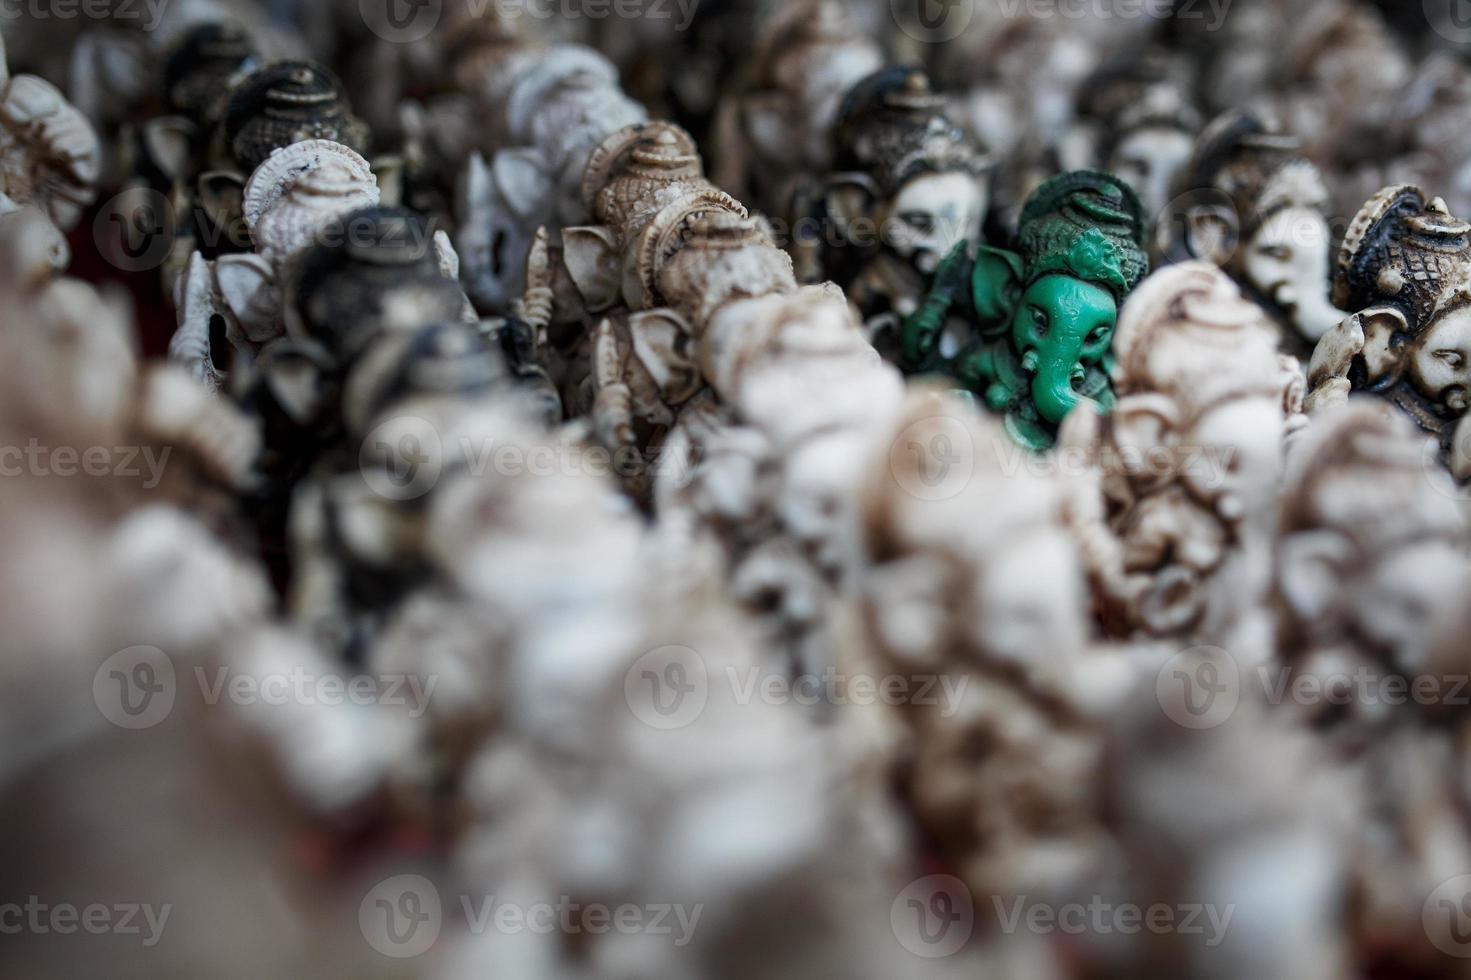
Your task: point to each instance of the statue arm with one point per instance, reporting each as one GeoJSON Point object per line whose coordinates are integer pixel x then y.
{"type": "Point", "coordinates": [921, 329]}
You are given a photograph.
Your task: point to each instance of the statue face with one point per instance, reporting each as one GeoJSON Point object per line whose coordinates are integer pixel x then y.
{"type": "Point", "coordinates": [1019, 619]}
{"type": "Point", "coordinates": [1440, 363]}
{"type": "Point", "coordinates": [1287, 260]}
{"type": "Point", "coordinates": [1237, 468]}
{"type": "Point", "coordinates": [1150, 159]}
{"type": "Point", "coordinates": [1403, 594]}
{"type": "Point", "coordinates": [931, 214]}
{"type": "Point", "coordinates": [1061, 326]}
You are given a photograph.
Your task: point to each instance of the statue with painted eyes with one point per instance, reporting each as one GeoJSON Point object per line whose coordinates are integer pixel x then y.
{"type": "Point", "coordinates": [1405, 268]}
{"type": "Point", "coordinates": [1036, 327]}
{"type": "Point", "coordinates": [907, 184]}
{"type": "Point", "coordinates": [1136, 120]}
{"type": "Point", "coordinates": [1256, 206]}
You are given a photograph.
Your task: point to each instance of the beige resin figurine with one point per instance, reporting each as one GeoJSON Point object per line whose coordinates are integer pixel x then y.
{"type": "Point", "coordinates": [289, 200]}
{"type": "Point", "coordinates": [1137, 122]}
{"type": "Point", "coordinates": [49, 154]}
{"type": "Point", "coordinates": [774, 138]}
{"type": "Point", "coordinates": [1254, 205]}
{"type": "Point", "coordinates": [1405, 270]}
{"type": "Point", "coordinates": [1372, 575]}
{"type": "Point", "coordinates": [1372, 567]}
{"type": "Point", "coordinates": [972, 575]}
{"type": "Point", "coordinates": [1190, 459]}
{"type": "Point", "coordinates": [539, 112]}
{"type": "Point", "coordinates": [907, 185]}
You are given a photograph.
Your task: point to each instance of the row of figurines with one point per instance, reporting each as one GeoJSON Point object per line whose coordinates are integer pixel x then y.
{"type": "Point", "coordinates": [1203, 506]}
{"type": "Point", "coordinates": [651, 302]}
{"type": "Point", "coordinates": [895, 222]}
{"type": "Point", "coordinates": [1026, 329]}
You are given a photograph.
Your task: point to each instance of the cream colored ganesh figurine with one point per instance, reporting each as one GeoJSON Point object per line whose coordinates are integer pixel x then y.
{"type": "Point", "coordinates": [773, 138]}
{"type": "Point", "coordinates": [538, 112]}
{"type": "Point", "coordinates": [907, 184]}
{"type": "Point", "coordinates": [1190, 460]}
{"type": "Point", "coordinates": [1371, 579]}
{"type": "Point", "coordinates": [972, 574]}
{"type": "Point", "coordinates": [1136, 120]}
{"type": "Point", "coordinates": [289, 201]}
{"type": "Point", "coordinates": [1372, 566]}
{"type": "Point", "coordinates": [1405, 271]}
{"type": "Point", "coordinates": [50, 156]}
{"type": "Point", "coordinates": [1254, 205]}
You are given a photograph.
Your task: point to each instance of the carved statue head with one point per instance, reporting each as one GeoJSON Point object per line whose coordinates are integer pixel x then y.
{"type": "Point", "coordinates": [1267, 225]}
{"type": "Point", "coordinates": [1081, 253]}
{"type": "Point", "coordinates": [809, 55]}
{"type": "Point", "coordinates": [906, 179]}
{"type": "Point", "coordinates": [284, 103]}
{"type": "Point", "coordinates": [374, 272]}
{"type": "Point", "coordinates": [1405, 268]}
{"type": "Point", "coordinates": [199, 69]}
{"type": "Point", "coordinates": [1146, 120]}
{"type": "Point", "coordinates": [298, 190]}
{"type": "Point", "coordinates": [1370, 551]}
{"type": "Point", "coordinates": [1197, 366]}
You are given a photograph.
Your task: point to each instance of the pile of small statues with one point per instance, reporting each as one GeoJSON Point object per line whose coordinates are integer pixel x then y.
{"type": "Point", "coordinates": [855, 473]}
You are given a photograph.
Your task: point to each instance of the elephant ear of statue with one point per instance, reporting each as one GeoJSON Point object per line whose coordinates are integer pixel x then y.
{"type": "Point", "coordinates": [996, 283]}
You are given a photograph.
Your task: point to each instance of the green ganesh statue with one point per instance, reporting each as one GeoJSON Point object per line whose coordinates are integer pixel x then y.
{"type": "Point", "coordinates": [1039, 325]}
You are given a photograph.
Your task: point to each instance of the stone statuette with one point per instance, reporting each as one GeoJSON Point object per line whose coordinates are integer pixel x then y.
{"type": "Point", "coordinates": [50, 156]}
{"type": "Point", "coordinates": [773, 137]}
{"type": "Point", "coordinates": [1256, 207]}
{"type": "Point", "coordinates": [1405, 269]}
{"type": "Point", "coordinates": [1190, 460]}
{"type": "Point", "coordinates": [907, 184]}
{"type": "Point", "coordinates": [1136, 120]}
{"type": "Point", "coordinates": [1040, 322]}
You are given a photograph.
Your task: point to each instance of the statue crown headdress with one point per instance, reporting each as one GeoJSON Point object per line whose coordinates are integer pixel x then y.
{"type": "Point", "coordinates": [1086, 224]}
